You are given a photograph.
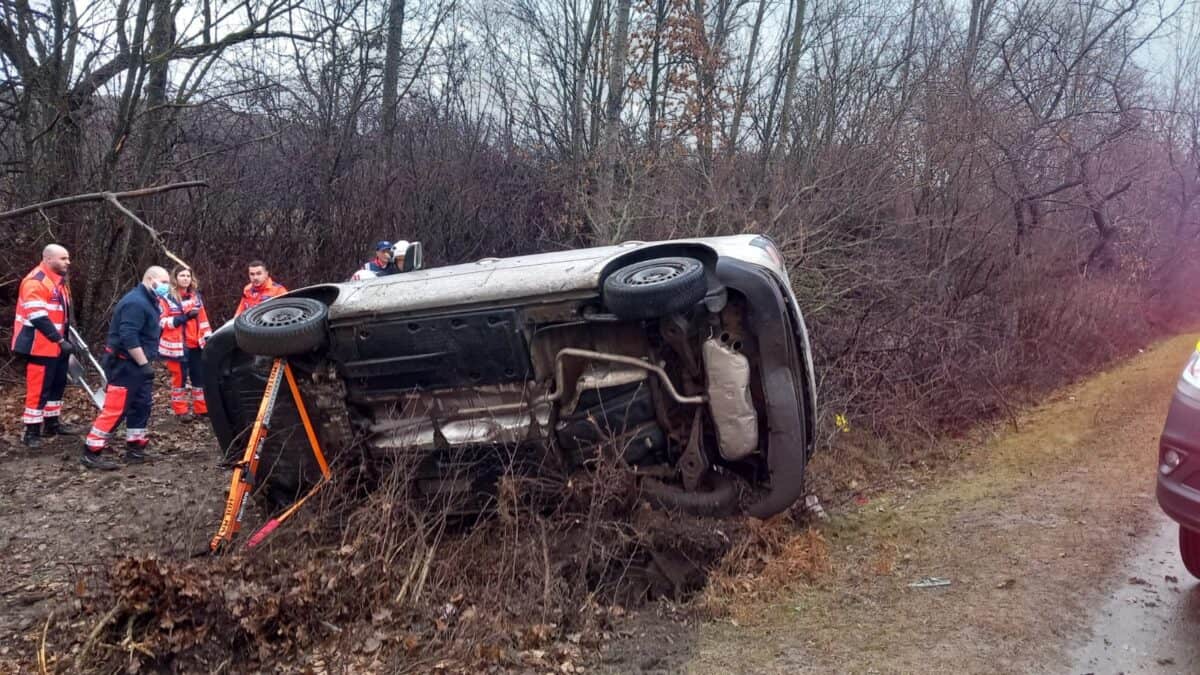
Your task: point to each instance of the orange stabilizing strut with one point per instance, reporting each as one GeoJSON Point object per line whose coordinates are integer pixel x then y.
{"type": "Point", "coordinates": [246, 471]}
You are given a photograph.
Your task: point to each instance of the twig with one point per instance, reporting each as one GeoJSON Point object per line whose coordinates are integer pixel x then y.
{"type": "Point", "coordinates": [87, 646]}
{"type": "Point", "coordinates": [112, 199]}
{"type": "Point", "coordinates": [546, 583]}
{"type": "Point", "coordinates": [42, 645]}
{"type": "Point", "coordinates": [430, 555]}
{"type": "Point", "coordinates": [49, 223]}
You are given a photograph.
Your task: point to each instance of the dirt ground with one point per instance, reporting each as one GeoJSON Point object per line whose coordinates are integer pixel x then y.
{"type": "Point", "coordinates": [1027, 524]}
{"type": "Point", "coordinates": [61, 522]}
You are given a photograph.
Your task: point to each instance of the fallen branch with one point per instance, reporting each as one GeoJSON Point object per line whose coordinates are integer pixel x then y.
{"type": "Point", "coordinates": [115, 198]}
{"type": "Point", "coordinates": [95, 635]}
{"type": "Point", "coordinates": [112, 199]}
{"type": "Point", "coordinates": [102, 196]}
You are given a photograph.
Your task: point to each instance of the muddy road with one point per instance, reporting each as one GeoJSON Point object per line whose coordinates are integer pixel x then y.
{"type": "Point", "coordinates": [1042, 533]}
{"type": "Point", "coordinates": [1151, 620]}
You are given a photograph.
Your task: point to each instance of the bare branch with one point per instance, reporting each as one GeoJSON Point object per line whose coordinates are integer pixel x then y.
{"type": "Point", "coordinates": [102, 196]}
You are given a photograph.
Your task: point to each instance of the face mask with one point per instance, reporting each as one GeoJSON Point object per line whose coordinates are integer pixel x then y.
{"type": "Point", "coordinates": [162, 290]}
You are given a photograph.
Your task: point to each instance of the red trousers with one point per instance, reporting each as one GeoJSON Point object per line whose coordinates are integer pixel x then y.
{"type": "Point", "coordinates": [45, 381]}
{"type": "Point", "coordinates": [186, 386]}
{"type": "Point", "coordinates": [127, 397]}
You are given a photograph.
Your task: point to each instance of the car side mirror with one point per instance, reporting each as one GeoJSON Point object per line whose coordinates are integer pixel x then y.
{"type": "Point", "coordinates": [412, 257]}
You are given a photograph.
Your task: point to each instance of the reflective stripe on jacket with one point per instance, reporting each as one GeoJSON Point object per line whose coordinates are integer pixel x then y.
{"type": "Point", "coordinates": [43, 312]}
{"type": "Point", "coordinates": [180, 333]}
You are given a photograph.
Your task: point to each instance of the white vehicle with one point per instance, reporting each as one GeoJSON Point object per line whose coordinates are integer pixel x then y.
{"type": "Point", "coordinates": [688, 360]}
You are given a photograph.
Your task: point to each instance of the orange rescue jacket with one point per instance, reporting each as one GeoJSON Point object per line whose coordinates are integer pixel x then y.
{"type": "Point", "coordinates": [252, 296]}
{"type": "Point", "coordinates": [43, 312]}
{"type": "Point", "coordinates": [179, 333]}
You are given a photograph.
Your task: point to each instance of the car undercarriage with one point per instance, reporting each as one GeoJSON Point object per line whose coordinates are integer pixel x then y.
{"type": "Point", "coordinates": [700, 387]}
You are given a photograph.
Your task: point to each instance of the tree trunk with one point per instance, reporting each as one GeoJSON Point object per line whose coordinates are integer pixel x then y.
{"type": "Point", "coordinates": [743, 92]}
{"type": "Point", "coordinates": [790, 73]}
{"type": "Point", "coordinates": [660, 19]}
{"type": "Point", "coordinates": [580, 79]}
{"type": "Point", "coordinates": [609, 230]}
{"type": "Point", "coordinates": [154, 141]}
{"type": "Point", "coordinates": [391, 74]}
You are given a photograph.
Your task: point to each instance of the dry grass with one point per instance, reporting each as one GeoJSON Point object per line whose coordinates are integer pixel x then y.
{"type": "Point", "coordinates": [1026, 529]}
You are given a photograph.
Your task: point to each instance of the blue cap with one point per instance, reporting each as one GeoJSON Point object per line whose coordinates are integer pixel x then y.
{"type": "Point", "coordinates": [383, 245]}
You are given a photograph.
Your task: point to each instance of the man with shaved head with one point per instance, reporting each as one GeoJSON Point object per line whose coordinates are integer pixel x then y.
{"type": "Point", "coordinates": [40, 338]}
{"type": "Point", "coordinates": [129, 353]}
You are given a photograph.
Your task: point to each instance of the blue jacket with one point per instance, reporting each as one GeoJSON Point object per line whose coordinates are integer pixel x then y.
{"type": "Point", "coordinates": [381, 270]}
{"type": "Point", "coordinates": [135, 324]}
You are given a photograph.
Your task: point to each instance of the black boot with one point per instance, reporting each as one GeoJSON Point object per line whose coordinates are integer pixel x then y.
{"type": "Point", "coordinates": [33, 436]}
{"type": "Point", "coordinates": [93, 460]}
{"type": "Point", "coordinates": [135, 453]}
{"type": "Point", "coordinates": [53, 426]}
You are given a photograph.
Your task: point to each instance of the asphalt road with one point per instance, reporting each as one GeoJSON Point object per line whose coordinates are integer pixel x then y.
{"type": "Point", "coordinates": [1151, 620]}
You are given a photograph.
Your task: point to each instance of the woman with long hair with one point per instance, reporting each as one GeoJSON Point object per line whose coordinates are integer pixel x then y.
{"type": "Point", "coordinates": [185, 331]}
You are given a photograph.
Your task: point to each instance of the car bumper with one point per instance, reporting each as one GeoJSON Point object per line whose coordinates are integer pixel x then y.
{"type": "Point", "coordinates": [787, 443]}
{"type": "Point", "coordinates": [1179, 491]}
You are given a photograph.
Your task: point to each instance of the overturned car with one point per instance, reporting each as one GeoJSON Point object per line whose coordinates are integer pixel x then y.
{"type": "Point", "coordinates": [687, 360]}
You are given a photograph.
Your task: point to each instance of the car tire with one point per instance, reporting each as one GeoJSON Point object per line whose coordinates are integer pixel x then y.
{"type": "Point", "coordinates": [1189, 550]}
{"type": "Point", "coordinates": [655, 288]}
{"type": "Point", "coordinates": [282, 327]}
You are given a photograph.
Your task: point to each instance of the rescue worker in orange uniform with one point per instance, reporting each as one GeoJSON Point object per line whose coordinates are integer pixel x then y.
{"type": "Point", "coordinates": [131, 348]}
{"type": "Point", "coordinates": [185, 330]}
{"type": "Point", "coordinates": [39, 338]}
{"type": "Point", "coordinates": [260, 289]}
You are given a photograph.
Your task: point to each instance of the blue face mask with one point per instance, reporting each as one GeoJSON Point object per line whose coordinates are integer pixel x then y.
{"type": "Point", "coordinates": [162, 290]}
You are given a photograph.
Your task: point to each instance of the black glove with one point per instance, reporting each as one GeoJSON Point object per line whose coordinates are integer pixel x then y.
{"type": "Point", "coordinates": [68, 348]}
{"type": "Point", "coordinates": [193, 313]}
{"type": "Point", "coordinates": [147, 370]}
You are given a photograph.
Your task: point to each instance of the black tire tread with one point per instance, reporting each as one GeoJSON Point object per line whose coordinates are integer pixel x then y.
{"type": "Point", "coordinates": [658, 300]}
{"type": "Point", "coordinates": [1189, 550]}
{"type": "Point", "coordinates": [299, 338]}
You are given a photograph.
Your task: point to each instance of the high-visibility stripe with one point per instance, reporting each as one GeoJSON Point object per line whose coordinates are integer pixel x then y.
{"type": "Point", "coordinates": [114, 408]}
{"type": "Point", "coordinates": [38, 314]}
{"type": "Point", "coordinates": [97, 438]}
{"type": "Point", "coordinates": [31, 416]}
{"type": "Point", "coordinates": [35, 304]}
{"type": "Point", "coordinates": [136, 434]}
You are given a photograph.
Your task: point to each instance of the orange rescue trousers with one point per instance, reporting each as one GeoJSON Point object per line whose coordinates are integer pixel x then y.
{"type": "Point", "coordinates": [187, 384]}
{"type": "Point", "coordinates": [45, 381]}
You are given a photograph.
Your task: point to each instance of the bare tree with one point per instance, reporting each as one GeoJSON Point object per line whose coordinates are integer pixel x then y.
{"type": "Point", "coordinates": [391, 73]}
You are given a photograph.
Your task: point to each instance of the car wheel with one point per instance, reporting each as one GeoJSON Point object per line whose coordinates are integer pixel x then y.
{"type": "Point", "coordinates": [1189, 550]}
{"type": "Point", "coordinates": [718, 500]}
{"type": "Point", "coordinates": [655, 288]}
{"type": "Point", "coordinates": [282, 327]}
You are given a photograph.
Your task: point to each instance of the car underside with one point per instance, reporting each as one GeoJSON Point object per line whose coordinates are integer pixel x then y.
{"type": "Point", "coordinates": [686, 366]}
